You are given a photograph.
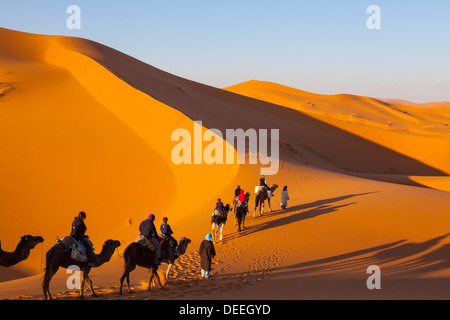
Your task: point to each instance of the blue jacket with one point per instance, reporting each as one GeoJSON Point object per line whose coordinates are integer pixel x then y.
{"type": "Point", "coordinates": [219, 206]}
{"type": "Point", "coordinates": [166, 229]}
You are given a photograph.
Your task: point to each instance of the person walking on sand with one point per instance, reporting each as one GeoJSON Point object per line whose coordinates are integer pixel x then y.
{"type": "Point", "coordinates": [148, 230]}
{"type": "Point", "coordinates": [284, 197]}
{"type": "Point", "coordinates": [207, 253]}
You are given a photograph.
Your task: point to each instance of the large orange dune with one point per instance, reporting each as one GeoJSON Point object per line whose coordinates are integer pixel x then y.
{"type": "Point", "coordinates": [85, 127]}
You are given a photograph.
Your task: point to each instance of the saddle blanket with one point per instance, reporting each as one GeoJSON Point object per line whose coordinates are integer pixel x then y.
{"type": "Point", "coordinates": [78, 249]}
{"type": "Point", "coordinates": [258, 188]}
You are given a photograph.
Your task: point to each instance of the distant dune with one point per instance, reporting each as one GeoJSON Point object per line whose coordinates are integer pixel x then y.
{"type": "Point", "coordinates": [86, 127]}
{"type": "Point", "coordinates": [443, 104]}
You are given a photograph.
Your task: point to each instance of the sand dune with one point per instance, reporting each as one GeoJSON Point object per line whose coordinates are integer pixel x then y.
{"type": "Point", "coordinates": [85, 127]}
{"type": "Point", "coordinates": [442, 104]}
{"type": "Point", "coordinates": [411, 131]}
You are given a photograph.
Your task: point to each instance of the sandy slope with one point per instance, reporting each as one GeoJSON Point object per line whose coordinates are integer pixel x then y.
{"type": "Point", "coordinates": [88, 141]}
{"type": "Point", "coordinates": [420, 134]}
{"type": "Point", "coordinates": [85, 127]}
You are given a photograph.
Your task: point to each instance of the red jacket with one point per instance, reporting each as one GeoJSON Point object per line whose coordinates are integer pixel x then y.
{"type": "Point", "coordinates": [242, 196]}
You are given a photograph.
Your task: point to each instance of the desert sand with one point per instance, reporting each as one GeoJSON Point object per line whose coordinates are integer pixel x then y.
{"type": "Point", "coordinates": [85, 127]}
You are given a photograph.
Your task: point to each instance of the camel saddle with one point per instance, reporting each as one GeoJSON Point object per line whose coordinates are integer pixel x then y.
{"type": "Point", "coordinates": [145, 242]}
{"type": "Point", "coordinates": [261, 188]}
{"type": "Point", "coordinates": [78, 250]}
{"type": "Point", "coordinates": [165, 238]}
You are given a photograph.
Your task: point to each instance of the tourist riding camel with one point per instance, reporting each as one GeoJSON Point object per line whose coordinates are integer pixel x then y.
{"type": "Point", "coordinates": [167, 231]}
{"type": "Point", "coordinates": [237, 192]}
{"type": "Point", "coordinates": [263, 183]}
{"type": "Point", "coordinates": [78, 233]}
{"type": "Point", "coordinates": [219, 205]}
{"type": "Point", "coordinates": [148, 230]}
{"type": "Point", "coordinates": [242, 199]}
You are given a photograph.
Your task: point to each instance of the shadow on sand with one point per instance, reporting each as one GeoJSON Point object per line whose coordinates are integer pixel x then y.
{"type": "Point", "coordinates": [401, 258]}
{"type": "Point", "coordinates": [407, 258]}
{"type": "Point", "coordinates": [295, 214]}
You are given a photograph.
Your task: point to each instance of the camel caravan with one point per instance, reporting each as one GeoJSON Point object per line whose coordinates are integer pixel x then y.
{"type": "Point", "coordinates": [149, 250]}
{"type": "Point", "coordinates": [240, 202]}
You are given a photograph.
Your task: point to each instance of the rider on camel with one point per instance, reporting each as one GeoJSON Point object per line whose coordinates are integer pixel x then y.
{"type": "Point", "coordinates": [242, 200]}
{"type": "Point", "coordinates": [263, 183]}
{"type": "Point", "coordinates": [167, 231]}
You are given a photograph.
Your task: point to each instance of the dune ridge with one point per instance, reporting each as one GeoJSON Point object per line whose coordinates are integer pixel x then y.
{"type": "Point", "coordinates": [88, 128]}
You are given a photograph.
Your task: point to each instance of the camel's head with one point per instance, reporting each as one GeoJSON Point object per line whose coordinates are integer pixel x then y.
{"type": "Point", "coordinates": [183, 244]}
{"type": "Point", "coordinates": [274, 187]}
{"type": "Point", "coordinates": [112, 243]}
{"type": "Point", "coordinates": [30, 241]}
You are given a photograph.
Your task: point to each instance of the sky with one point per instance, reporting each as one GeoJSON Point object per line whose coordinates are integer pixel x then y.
{"type": "Point", "coordinates": [321, 46]}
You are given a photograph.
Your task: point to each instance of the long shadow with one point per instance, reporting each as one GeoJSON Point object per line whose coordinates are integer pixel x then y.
{"type": "Point", "coordinates": [391, 253]}
{"type": "Point", "coordinates": [299, 216]}
{"type": "Point", "coordinates": [295, 214]}
{"type": "Point", "coordinates": [313, 204]}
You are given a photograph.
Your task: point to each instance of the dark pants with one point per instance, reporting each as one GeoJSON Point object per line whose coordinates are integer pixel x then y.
{"type": "Point", "coordinates": [89, 250]}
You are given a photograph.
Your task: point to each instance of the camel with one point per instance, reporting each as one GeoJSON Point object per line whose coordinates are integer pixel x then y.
{"type": "Point", "coordinates": [235, 202]}
{"type": "Point", "coordinates": [137, 254]}
{"type": "Point", "coordinates": [60, 256]}
{"type": "Point", "coordinates": [241, 213]}
{"type": "Point", "coordinates": [218, 222]}
{"type": "Point", "coordinates": [168, 253]}
{"type": "Point", "coordinates": [26, 243]}
{"type": "Point", "coordinates": [261, 196]}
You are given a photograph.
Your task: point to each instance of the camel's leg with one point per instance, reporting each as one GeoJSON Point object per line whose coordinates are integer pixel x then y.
{"type": "Point", "coordinates": [155, 273]}
{"type": "Point", "coordinates": [84, 278]}
{"type": "Point", "coordinates": [91, 286]}
{"type": "Point", "coordinates": [126, 275]}
{"type": "Point", "coordinates": [221, 232]}
{"type": "Point", "coordinates": [49, 273]}
{"type": "Point", "coordinates": [169, 267]}
{"type": "Point", "coordinates": [213, 229]}
{"type": "Point", "coordinates": [150, 278]}
{"type": "Point", "coordinates": [82, 284]}
{"type": "Point", "coordinates": [216, 235]}
{"type": "Point", "coordinates": [270, 209]}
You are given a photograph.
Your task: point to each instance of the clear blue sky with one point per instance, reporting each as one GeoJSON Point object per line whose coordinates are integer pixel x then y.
{"type": "Point", "coordinates": [319, 46]}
